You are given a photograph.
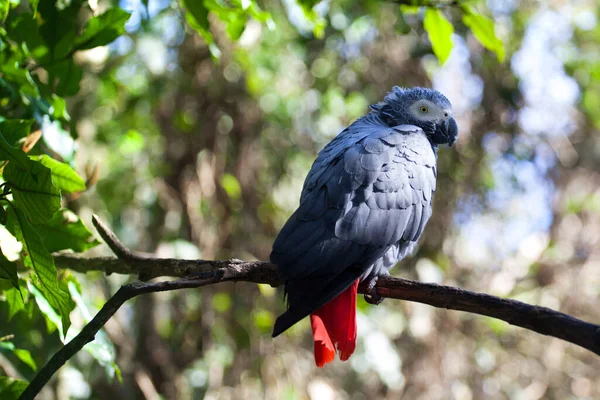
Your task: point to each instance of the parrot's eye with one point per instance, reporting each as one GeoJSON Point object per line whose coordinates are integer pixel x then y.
{"type": "Point", "coordinates": [423, 109]}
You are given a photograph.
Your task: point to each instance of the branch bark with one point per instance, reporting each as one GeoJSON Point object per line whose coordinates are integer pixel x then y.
{"type": "Point", "coordinates": [197, 273]}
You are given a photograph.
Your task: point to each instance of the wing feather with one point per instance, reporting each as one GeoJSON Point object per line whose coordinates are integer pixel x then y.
{"type": "Point", "coordinates": [368, 191]}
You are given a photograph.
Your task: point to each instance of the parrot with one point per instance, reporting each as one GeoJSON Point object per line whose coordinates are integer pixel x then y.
{"type": "Point", "coordinates": [363, 207]}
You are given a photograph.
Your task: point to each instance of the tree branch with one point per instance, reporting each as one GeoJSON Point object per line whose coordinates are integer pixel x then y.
{"type": "Point", "coordinates": [196, 273]}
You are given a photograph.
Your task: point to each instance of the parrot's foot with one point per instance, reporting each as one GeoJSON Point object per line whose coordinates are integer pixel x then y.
{"type": "Point", "coordinates": [372, 297]}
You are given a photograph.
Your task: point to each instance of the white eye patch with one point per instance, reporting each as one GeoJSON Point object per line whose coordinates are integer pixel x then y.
{"type": "Point", "coordinates": [425, 110]}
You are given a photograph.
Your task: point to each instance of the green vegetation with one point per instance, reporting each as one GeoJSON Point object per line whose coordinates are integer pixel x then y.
{"type": "Point", "coordinates": [190, 125]}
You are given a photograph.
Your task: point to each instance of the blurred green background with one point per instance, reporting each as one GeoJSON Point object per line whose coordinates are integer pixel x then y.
{"type": "Point", "coordinates": [202, 139]}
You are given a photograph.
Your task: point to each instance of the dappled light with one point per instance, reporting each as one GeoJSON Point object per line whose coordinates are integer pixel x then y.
{"type": "Point", "coordinates": [189, 128]}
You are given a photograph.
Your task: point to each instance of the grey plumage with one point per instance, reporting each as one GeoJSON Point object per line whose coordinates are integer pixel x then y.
{"type": "Point", "coordinates": [365, 201]}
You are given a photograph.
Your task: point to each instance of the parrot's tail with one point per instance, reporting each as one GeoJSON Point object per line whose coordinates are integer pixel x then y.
{"type": "Point", "coordinates": [334, 327]}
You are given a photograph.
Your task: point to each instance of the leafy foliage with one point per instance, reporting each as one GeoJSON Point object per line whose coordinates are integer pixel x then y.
{"type": "Point", "coordinates": [440, 32]}
{"type": "Point", "coordinates": [66, 231]}
{"type": "Point", "coordinates": [33, 190]}
{"type": "Point", "coordinates": [11, 389]}
{"type": "Point", "coordinates": [234, 16]}
{"type": "Point", "coordinates": [22, 354]}
{"type": "Point", "coordinates": [483, 29]}
{"type": "Point", "coordinates": [40, 70]}
{"type": "Point", "coordinates": [37, 69]}
{"type": "Point", "coordinates": [36, 257]}
{"type": "Point", "coordinates": [102, 29]}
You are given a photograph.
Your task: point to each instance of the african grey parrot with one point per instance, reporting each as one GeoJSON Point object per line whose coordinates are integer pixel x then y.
{"type": "Point", "coordinates": [363, 207]}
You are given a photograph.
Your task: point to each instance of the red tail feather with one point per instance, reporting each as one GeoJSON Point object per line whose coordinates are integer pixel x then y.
{"type": "Point", "coordinates": [334, 326]}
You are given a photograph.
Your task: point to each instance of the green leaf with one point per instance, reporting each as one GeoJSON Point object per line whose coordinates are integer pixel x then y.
{"type": "Point", "coordinates": [36, 257]}
{"type": "Point", "coordinates": [66, 231]}
{"type": "Point", "coordinates": [9, 269]}
{"type": "Point", "coordinates": [34, 5]}
{"type": "Point", "coordinates": [5, 345]}
{"type": "Point", "coordinates": [25, 356]}
{"type": "Point", "coordinates": [22, 354]}
{"type": "Point", "coordinates": [4, 9]}
{"type": "Point", "coordinates": [57, 29]}
{"type": "Point", "coordinates": [236, 27]}
{"type": "Point", "coordinates": [33, 192]}
{"type": "Point", "coordinates": [14, 299]}
{"type": "Point", "coordinates": [406, 9]}
{"type": "Point", "coordinates": [232, 186]}
{"type": "Point", "coordinates": [25, 29]}
{"type": "Point", "coordinates": [59, 108]}
{"type": "Point", "coordinates": [53, 320]}
{"type": "Point", "coordinates": [17, 156]}
{"type": "Point", "coordinates": [14, 130]}
{"type": "Point", "coordinates": [63, 175]}
{"type": "Point", "coordinates": [440, 32]}
{"type": "Point", "coordinates": [307, 5]}
{"type": "Point", "coordinates": [68, 74]}
{"type": "Point", "coordinates": [21, 77]}
{"type": "Point", "coordinates": [103, 29]}
{"type": "Point", "coordinates": [197, 18]}
{"type": "Point", "coordinates": [483, 29]}
{"type": "Point", "coordinates": [10, 388]}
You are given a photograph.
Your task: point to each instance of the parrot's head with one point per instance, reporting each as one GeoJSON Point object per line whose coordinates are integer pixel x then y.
{"type": "Point", "coordinates": [426, 108]}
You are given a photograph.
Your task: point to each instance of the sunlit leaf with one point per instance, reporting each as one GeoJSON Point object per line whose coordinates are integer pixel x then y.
{"type": "Point", "coordinates": [308, 4]}
{"type": "Point", "coordinates": [59, 108]}
{"type": "Point", "coordinates": [236, 27]}
{"type": "Point", "coordinates": [22, 354]}
{"type": "Point", "coordinates": [406, 9]}
{"type": "Point", "coordinates": [10, 388]}
{"type": "Point", "coordinates": [483, 29]}
{"type": "Point", "coordinates": [221, 302]}
{"type": "Point", "coordinates": [4, 9]}
{"type": "Point", "coordinates": [263, 319]}
{"type": "Point", "coordinates": [66, 231]}
{"type": "Point", "coordinates": [36, 257]}
{"type": "Point", "coordinates": [63, 176]}
{"type": "Point", "coordinates": [260, 15]}
{"type": "Point", "coordinates": [34, 5]}
{"type": "Point", "coordinates": [52, 318]}
{"type": "Point", "coordinates": [103, 29]}
{"type": "Point", "coordinates": [440, 32]}
{"type": "Point", "coordinates": [25, 356]}
{"type": "Point", "coordinates": [232, 186]}
{"type": "Point", "coordinates": [33, 192]}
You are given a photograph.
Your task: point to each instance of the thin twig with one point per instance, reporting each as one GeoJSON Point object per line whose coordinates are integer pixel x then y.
{"type": "Point", "coordinates": [196, 273]}
{"type": "Point", "coordinates": [118, 248]}
{"type": "Point", "coordinates": [89, 331]}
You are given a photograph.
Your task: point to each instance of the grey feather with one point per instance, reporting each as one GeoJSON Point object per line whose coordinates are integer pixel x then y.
{"type": "Point", "coordinates": [364, 204]}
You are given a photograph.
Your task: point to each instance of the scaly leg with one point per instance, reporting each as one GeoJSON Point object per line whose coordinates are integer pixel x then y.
{"type": "Point", "coordinates": [372, 297]}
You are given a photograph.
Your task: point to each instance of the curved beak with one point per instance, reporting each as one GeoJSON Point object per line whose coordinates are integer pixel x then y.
{"type": "Point", "coordinates": [445, 132]}
{"type": "Point", "coordinates": [451, 131]}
